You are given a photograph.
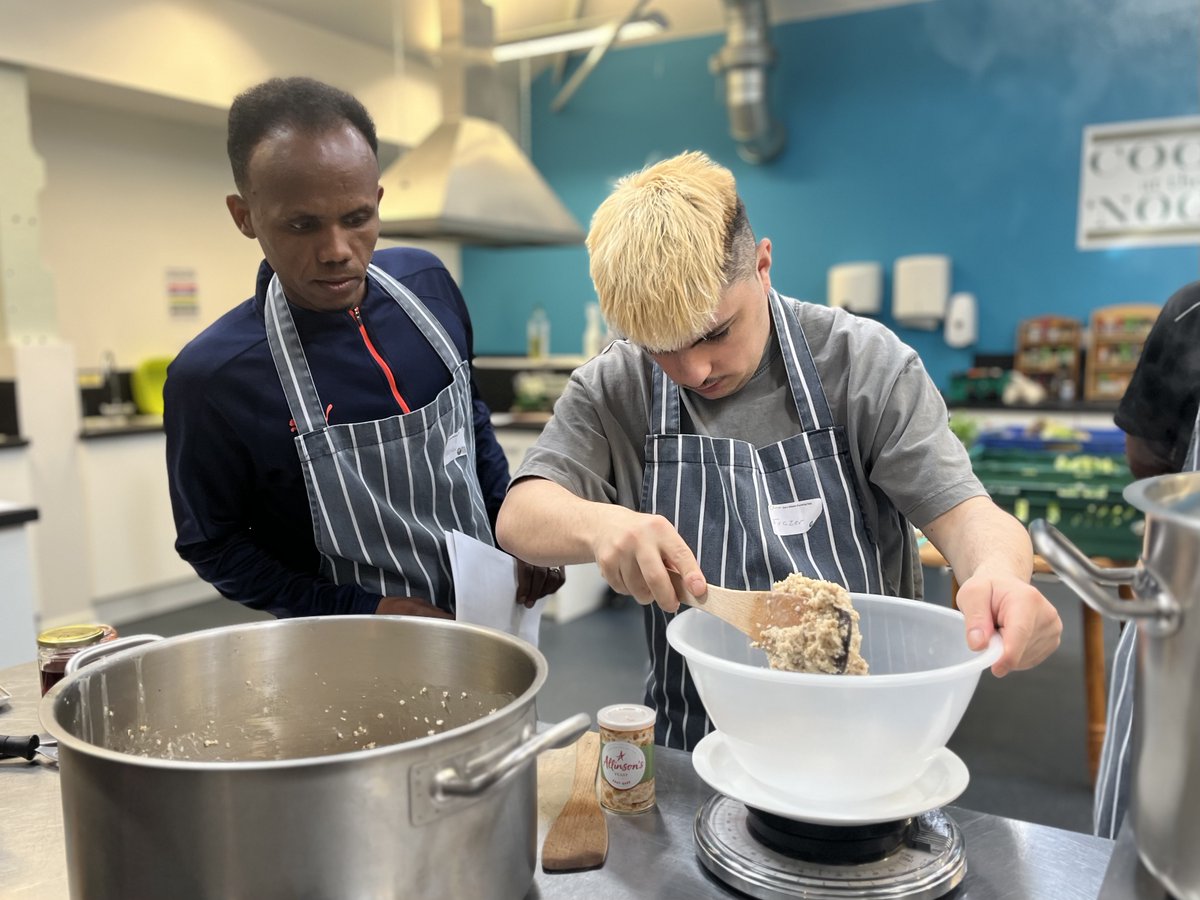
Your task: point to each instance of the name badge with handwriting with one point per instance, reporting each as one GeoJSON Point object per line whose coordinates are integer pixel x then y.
{"type": "Point", "coordinates": [795, 518]}
{"type": "Point", "coordinates": [455, 447]}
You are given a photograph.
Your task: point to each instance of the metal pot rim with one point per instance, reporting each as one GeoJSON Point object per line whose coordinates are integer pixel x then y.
{"type": "Point", "coordinates": [501, 719]}
{"type": "Point", "coordinates": [1159, 497]}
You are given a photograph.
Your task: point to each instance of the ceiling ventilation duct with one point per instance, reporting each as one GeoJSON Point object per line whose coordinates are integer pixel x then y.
{"type": "Point", "coordinates": [744, 61]}
{"type": "Point", "coordinates": [468, 181]}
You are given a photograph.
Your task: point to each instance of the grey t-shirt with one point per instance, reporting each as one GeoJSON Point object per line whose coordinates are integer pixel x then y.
{"type": "Point", "coordinates": [907, 463]}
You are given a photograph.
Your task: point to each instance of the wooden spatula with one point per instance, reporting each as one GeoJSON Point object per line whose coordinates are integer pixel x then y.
{"type": "Point", "coordinates": [578, 839]}
{"type": "Point", "coordinates": [747, 611]}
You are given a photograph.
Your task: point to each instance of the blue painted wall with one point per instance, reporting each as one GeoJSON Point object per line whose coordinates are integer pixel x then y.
{"type": "Point", "coordinates": [952, 127]}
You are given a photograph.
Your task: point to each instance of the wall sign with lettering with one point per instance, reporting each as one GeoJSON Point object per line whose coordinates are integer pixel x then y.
{"type": "Point", "coordinates": [1139, 184]}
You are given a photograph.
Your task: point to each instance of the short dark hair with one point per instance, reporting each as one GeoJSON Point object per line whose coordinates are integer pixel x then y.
{"type": "Point", "coordinates": [740, 258]}
{"type": "Point", "coordinates": [305, 104]}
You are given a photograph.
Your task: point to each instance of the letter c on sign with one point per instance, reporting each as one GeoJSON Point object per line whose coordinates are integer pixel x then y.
{"type": "Point", "coordinates": [1105, 160]}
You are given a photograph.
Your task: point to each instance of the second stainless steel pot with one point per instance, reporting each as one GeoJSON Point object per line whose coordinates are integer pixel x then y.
{"type": "Point", "coordinates": [1166, 732]}
{"type": "Point", "coordinates": [286, 811]}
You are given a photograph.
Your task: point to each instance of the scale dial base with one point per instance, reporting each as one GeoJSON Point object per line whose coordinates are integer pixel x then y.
{"type": "Point", "coordinates": [930, 865]}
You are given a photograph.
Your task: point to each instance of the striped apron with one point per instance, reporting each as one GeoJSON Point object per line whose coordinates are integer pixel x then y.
{"type": "Point", "coordinates": [383, 493]}
{"type": "Point", "coordinates": [1113, 781]}
{"type": "Point", "coordinates": [738, 509]}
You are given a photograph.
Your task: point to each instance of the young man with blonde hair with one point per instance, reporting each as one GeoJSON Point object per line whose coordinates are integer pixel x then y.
{"type": "Point", "coordinates": [737, 436]}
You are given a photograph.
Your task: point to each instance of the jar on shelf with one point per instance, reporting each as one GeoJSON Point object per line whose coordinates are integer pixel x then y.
{"type": "Point", "coordinates": [56, 646]}
{"type": "Point", "coordinates": [626, 757]}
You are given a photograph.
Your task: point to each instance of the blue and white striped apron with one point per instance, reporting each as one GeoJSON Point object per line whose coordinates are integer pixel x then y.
{"type": "Point", "coordinates": [1113, 781]}
{"type": "Point", "coordinates": [722, 496]}
{"type": "Point", "coordinates": [383, 493]}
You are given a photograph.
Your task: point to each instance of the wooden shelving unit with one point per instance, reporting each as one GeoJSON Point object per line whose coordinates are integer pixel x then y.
{"type": "Point", "coordinates": [1048, 351]}
{"type": "Point", "coordinates": [1114, 347]}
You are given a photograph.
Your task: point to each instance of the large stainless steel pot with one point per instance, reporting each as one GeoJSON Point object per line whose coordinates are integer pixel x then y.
{"type": "Point", "coordinates": [346, 811]}
{"type": "Point", "coordinates": [1166, 722]}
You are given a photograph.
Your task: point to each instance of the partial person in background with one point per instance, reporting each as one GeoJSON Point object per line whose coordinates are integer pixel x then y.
{"type": "Point", "coordinates": [737, 436]}
{"type": "Point", "coordinates": [1158, 414]}
{"type": "Point", "coordinates": [324, 434]}
{"type": "Point", "coordinates": [1158, 411]}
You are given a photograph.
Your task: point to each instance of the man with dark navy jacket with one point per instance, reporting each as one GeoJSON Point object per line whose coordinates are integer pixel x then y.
{"type": "Point", "coordinates": [324, 434]}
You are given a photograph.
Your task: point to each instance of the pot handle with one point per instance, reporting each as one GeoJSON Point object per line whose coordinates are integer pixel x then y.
{"type": "Point", "coordinates": [451, 782]}
{"type": "Point", "coordinates": [1155, 608]}
{"type": "Point", "coordinates": [99, 651]}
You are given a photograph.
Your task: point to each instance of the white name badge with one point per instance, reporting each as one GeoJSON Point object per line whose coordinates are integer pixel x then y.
{"type": "Point", "coordinates": [455, 447]}
{"type": "Point", "coordinates": [795, 518]}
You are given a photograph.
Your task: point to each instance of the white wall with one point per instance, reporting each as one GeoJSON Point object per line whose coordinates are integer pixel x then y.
{"type": "Point", "coordinates": [126, 198]}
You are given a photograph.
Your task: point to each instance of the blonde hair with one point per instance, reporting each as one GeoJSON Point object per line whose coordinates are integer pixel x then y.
{"type": "Point", "coordinates": [664, 245]}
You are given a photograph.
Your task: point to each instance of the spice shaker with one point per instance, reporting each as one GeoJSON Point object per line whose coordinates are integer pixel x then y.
{"type": "Point", "coordinates": [626, 757]}
{"type": "Point", "coordinates": [56, 646]}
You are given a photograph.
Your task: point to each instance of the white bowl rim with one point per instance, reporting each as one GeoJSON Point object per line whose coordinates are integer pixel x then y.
{"type": "Point", "coordinates": [980, 660]}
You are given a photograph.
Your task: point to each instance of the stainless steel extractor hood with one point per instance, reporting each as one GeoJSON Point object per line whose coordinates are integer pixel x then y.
{"type": "Point", "coordinates": [468, 180]}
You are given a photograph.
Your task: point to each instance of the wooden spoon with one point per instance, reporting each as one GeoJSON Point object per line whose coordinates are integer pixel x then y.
{"type": "Point", "coordinates": [578, 839]}
{"type": "Point", "coordinates": [747, 611]}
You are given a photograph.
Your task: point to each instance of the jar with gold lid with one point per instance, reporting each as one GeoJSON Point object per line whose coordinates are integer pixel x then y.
{"type": "Point", "coordinates": [56, 646]}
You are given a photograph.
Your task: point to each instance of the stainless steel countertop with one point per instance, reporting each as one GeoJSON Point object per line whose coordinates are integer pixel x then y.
{"type": "Point", "coordinates": [649, 856]}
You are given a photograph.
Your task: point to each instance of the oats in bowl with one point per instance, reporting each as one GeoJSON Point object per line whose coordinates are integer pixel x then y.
{"type": "Point", "coordinates": [826, 639]}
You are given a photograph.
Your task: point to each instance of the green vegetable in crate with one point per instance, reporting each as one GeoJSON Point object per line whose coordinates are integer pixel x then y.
{"type": "Point", "coordinates": [1056, 431]}
{"type": "Point", "coordinates": [1086, 465]}
{"type": "Point", "coordinates": [1021, 509]}
{"type": "Point", "coordinates": [965, 428]}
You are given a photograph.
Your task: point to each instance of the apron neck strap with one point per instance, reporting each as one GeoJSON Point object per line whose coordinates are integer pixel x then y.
{"type": "Point", "coordinates": [807, 392]}
{"type": "Point", "coordinates": [288, 352]}
{"type": "Point", "coordinates": [664, 412]}
{"type": "Point", "coordinates": [290, 362]}
{"type": "Point", "coordinates": [421, 316]}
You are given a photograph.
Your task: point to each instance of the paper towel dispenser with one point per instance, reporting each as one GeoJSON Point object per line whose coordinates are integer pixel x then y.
{"type": "Point", "coordinates": [920, 288]}
{"type": "Point", "coordinates": [856, 287]}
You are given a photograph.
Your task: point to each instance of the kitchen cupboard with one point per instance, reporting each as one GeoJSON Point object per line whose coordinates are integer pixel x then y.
{"type": "Point", "coordinates": [126, 508]}
{"type": "Point", "coordinates": [1117, 334]}
{"type": "Point", "coordinates": [18, 604]}
{"type": "Point", "coordinates": [18, 607]}
{"type": "Point", "coordinates": [14, 475]}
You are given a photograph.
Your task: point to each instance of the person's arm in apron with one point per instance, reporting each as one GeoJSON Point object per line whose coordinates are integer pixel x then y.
{"type": "Point", "coordinates": [212, 480]}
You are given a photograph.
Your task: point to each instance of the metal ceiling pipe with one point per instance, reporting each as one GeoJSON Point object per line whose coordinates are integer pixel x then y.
{"type": "Point", "coordinates": [744, 62]}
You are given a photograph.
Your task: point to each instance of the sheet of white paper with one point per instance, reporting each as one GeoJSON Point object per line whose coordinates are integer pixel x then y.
{"type": "Point", "coordinates": [485, 588]}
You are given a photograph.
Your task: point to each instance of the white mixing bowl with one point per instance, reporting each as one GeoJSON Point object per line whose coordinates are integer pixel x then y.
{"type": "Point", "coordinates": [839, 737]}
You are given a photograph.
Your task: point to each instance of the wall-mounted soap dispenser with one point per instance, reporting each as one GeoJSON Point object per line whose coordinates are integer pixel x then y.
{"type": "Point", "coordinates": [962, 320]}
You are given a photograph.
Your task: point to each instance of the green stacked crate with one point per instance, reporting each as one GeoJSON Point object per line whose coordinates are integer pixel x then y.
{"type": "Point", "coordinates": [1080, 494]}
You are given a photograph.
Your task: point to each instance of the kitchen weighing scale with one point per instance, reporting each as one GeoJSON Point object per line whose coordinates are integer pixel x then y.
{"type": "Point", "coordinates": [771, 857]}
{"type": "Point", "coordinates": [776, 847]}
